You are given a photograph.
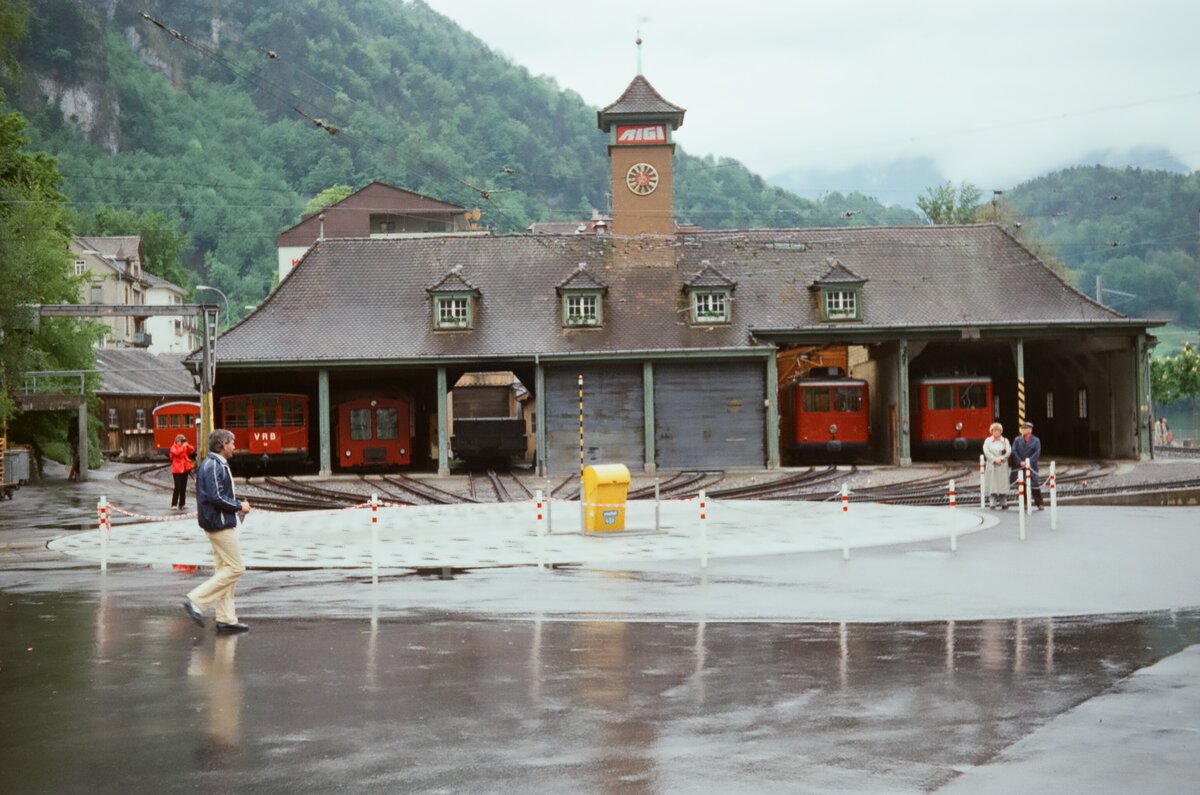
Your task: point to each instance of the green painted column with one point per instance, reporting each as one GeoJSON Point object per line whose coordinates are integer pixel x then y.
{"type": "Point", "coordinates": [772, 412]}
{"type": "Point", "coordinates": [539, 408]}
{"type": "Point", "coordinates": [904, 446]}
{"type": "Point", "coordinates": [648, 415]}
{"type": "Point", "coordinates": [323, 422]}
{"type": "Point", "coordinates": [1141, 367]}
{"type": "Point", "coordinates": [442, 420]}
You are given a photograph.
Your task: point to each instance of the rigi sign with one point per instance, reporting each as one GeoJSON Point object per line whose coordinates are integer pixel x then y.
{"type": "Point", "coordinates": [641, 134]}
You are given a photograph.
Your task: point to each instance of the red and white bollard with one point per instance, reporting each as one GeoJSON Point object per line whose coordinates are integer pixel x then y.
{"type": "Point", "coordinates": [1028, 487]}
{"type": "Point", "coordinates": [953, 498]}
{"type": "Point", "coordinates": [1053, 499]}
{"type": "Point", "coordinates": [703, 530]}
{"type": "Point", "coordinates": [1021, 508]}
{"type": "Point", "coordinates": [845, 530]}
{"type": "Point", "coordinates": [953, 532]}
{"type": "Point", "coordinates": [982, 465]}
{"type": "Point", "coordinates": [374, 539]}
{"type": "Point", "coordinates": [541, 530]}
{"type": "Point", "coordinates": [104, 520]}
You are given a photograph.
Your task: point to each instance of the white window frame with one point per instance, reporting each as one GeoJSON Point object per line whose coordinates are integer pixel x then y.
{"type": "Point", "coordinates": [581, 309]}
{"type": "Point", "coordinates": [452, 312]}
{"type": "Point", "coordinates": [710, 306]}
{"type": "Point", "coordinates": [840, 304]}
{"type": "Point", "coordinates": [80, 267]}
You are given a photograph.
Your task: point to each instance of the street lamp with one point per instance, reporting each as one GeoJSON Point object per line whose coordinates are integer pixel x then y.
{"type": "Point", "coordinates": [223, 298]}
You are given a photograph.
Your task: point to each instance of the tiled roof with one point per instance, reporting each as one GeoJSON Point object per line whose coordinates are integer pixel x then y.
{"type": "Point", "coordinates": [367, 299]}
{"type": "Point", "coordinates": [581, 279]}
{"type": "Point", "coordinates": [119, 247]}
{"type": "Point", "coordinates": [838, 274]}
{"type": "Point", "coordinates": [157, 281]}
{"type": "Point", "coordinates": [640, 99]}
{"type": "Point", "coordinates": [453, 282]}
{"type": "Point", "coordinates": [708, 276]}
{"type": "Point", "coordinates": [135, 371]}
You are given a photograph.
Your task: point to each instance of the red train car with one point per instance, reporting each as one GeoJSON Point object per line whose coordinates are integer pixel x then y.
{"type": "Point", "coordinates": [267, 427]}
{"type": "Point", "coordinates": [172, 419]}
{"type": "Point", "coordinates": [829, 415]}
{"type": "Point", "coordinates": [373, 432]}
{"type": "Point", "coordinates": [951, 414]}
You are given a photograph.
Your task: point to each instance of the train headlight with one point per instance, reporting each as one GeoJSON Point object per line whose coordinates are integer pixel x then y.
{"type": "Point", "coordinates": [347, 454]}
{"type": "Point", "coordinates": [832, 430]}
{"type": "Point", "coordinates": [958, 427]}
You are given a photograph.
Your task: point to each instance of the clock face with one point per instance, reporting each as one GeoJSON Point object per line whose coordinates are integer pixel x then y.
{"type": "Point", "coordinates": [642, 179]}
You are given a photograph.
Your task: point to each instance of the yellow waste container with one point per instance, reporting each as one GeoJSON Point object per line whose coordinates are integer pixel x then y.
{"type": "Point", "coordinates": [605, 490]}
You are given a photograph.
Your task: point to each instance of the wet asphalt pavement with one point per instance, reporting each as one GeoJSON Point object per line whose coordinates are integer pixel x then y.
{"type": "Point", "coordinates": [105, 686]}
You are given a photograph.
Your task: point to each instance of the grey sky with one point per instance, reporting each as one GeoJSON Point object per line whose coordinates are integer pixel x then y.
{"type": "Point", "coordinates": [994, 93]}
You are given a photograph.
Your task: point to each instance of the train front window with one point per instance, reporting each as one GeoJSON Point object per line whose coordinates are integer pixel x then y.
{"type": "Point", "coordinates": [360, 425]}
{"type": "Point", "coordinates": [939, 397]}
{"type": "Point", "coordinates": [816, 400]}
{"type": "Point", "coordinates": [387, 425]}
{"type": "Point", "coordinates": [847, 398]}
{"type": "Point", "coordinates": [293, 413]}
{"type": "Point", "coordinates": [264, 413]}
{"type": "Point", "coordinates": [972, 396]}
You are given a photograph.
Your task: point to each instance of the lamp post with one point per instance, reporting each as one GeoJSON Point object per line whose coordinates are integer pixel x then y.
{"type": "Point", "coordinates": [223, 298]}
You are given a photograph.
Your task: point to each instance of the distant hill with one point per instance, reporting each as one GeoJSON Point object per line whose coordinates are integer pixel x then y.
{"type": "Point", "coordinates": [230, 126]}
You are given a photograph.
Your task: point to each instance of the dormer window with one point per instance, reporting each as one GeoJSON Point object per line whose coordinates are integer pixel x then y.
{"type": "Point", "coordinates": [839, 294]}
{"type": "Point", "coordinates": [455, 301]}
{"type": "Point", "coordinates": [710, 294]}
{"type": "Point", "coordinates": [582, 299]}
{"type": "Point", "coordinates": [840, 304]}
{"type": "Point", "coordinates": [581, 309]}
{"type": "Point", "coordinates": [710, 306]}
{"type": "Point", "coordinates": [453, 311]}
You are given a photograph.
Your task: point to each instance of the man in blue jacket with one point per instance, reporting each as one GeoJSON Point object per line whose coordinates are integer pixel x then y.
{"type": "Point", "coordinates": [1028, 447]}
{"type": "Point", "coordinates": [218, 509]}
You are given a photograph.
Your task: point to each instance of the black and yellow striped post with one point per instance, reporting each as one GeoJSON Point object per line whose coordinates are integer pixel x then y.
{"type": "Point", "coordinates": [582, 505]}
{"type": "Point", "coordinates": [1020, 383]}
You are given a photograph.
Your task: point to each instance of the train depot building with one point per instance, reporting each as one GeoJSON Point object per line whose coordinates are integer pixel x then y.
{"type": "Point", "coordinates": [693, 346]}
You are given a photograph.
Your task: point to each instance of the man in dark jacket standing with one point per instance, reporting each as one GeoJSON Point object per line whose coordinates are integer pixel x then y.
{"type": "Point", "coordinates": [217, 512]}
{"type": "Point", "coordinates": [1028, 447]}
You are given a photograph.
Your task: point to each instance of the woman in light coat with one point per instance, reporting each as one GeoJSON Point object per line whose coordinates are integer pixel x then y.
{"type": "Point", "coordinates": [996, 450]}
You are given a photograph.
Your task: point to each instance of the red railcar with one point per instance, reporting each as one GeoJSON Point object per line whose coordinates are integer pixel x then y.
{"type": "Point", "coordinates": [267, 427]}
{"type": "Point", "coordinates": [951, 414]}
{"type": "Point", "coordinates": [172, 419]}
{"type": "Point", "coordinates": [373, 432]}
{"type": "Point", "coordinates": [829, 416]}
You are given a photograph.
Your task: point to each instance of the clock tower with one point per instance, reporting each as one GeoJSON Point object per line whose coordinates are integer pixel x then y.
{"type": "Point", "coordinates": [641, 145]}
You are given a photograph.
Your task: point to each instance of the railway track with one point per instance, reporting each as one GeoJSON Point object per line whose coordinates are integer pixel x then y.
{"type": "Point", "coordinates": [147, 478]}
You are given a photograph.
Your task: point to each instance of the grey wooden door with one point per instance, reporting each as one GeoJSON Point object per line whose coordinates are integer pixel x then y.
{"type": "Point", "coordinates": [709, 415]}
{"type": "Point", "coordinates": [613, 417]}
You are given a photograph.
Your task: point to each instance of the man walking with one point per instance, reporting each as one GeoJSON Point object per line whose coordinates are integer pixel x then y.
{"type": "Point", "coordinates": [217, 512]}
{"type": "Point", "coordinates": [1028, 447]}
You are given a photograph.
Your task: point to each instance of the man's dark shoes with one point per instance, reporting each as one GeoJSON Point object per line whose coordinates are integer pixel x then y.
{"type": "Point", "coordinates": [230, 629]}
{"type": "Point", "coordinates": [192, 612]}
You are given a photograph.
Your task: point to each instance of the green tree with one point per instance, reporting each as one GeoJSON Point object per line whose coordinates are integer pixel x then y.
{"type": "Point", "coordinates": [327, 197]}
{"type": "Point", "coordinates": [945, 204]}
{"type": "Point", "coordinates": [162, 245]}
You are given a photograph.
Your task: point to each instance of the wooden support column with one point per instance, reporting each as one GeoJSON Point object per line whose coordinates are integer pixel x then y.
{"type": "Point", "coordinates": [772, 412]}
{"type": "Point", "coordinates": [323, 422]}
{"type": "Point", "coordinates": [539, 409]}
{"type": "Point", "coordinates": [905, 430]}
{"type": "Point", "coordinates": [648, 416]}
{"type": "Point", "coordinates": [1141, 374]}
{"type": "Point", "coordinates": [82, 419]}
{"type": "Point", "coordinates": [442, 421]}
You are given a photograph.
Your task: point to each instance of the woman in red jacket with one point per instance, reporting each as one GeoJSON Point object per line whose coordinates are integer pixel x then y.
{"type": "Point", "coordinates": [181, 464]}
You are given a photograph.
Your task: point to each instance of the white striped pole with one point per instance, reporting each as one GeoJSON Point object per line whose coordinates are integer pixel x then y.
{"type": "Point", "coordinates": [953, 528]}
{"type": "Point", "coordinates": [105, 528]}
{"type": "Point", "coordinates": [541, 557]}
{"type": "Point", "coordinates": [1021, 508]}
{"type": "Point", "coordinates": [981, 468]}
{"type": "Point", "coordinates": [1028, 487]}
{"type": "Point", "coordinates": [582, 506]}
{"type": "Point", "coordinates": [846, 514]}
{"type": "Point", "coordinates": [953, 498]}
{"type": "Point", "coordinates": [549, 514]}
{"type": "Point", "coordinates": [1053, 499]}
{"type": "Point", "coordinates": [374, 539]}
{"type": "Point", "coordinates": [657, 507]}
{"type": "Point", "coordinates": [703, 531]}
